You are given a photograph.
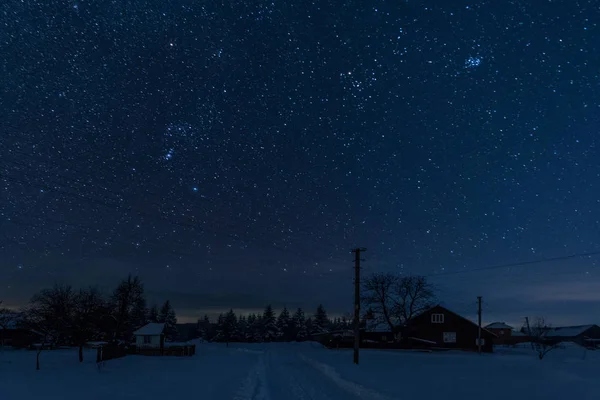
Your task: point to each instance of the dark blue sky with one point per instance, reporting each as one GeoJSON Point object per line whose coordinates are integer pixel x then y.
{"type": "Point", "coordinates": [231, 153]}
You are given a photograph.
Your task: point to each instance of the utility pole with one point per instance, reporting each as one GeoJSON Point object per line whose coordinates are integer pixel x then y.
{"type": "Point", "coordinates": [479, 324]}
{"type": "Point", "coordinates": [529, 333]}
{"type": "Point", "coordinates": [357, 301]}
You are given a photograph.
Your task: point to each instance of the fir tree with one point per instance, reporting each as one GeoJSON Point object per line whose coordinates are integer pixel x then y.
{"type": "Point", "coordinates": [299, 324]}
{"type": "Point", "coordinates": [229, 327]}
{"type": "Point", "coordinates": [309, 326]}
{"type": "Point", "coordinates": [242, 329]}
{"type": "Point", "coordinates": [167, 316]}
{"type": "Point", "coordinates": [203, 328]}
{"type": "Point", "coordinates": [269, 325]}
{"type": "Point", "coordinates": [321, 322]}
{"type": "Point", "coordinates": [153, 314]}
{"type": "Point", "coordinates": [126, 302]}
{"type": "Point", "coordinates": [251, 328]}
{"type": "Point", "coordinates": [219, 334]}
{"type": "Point", "coordinates": [139, 313]}
{"type": "Point", "coordinates": [284, 326]}
{"type": "Point", "coordinates": [257, 329]}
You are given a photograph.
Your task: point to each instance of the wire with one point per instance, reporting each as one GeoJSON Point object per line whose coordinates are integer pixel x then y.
{"type": "Point", "coordinates": [518, 264]}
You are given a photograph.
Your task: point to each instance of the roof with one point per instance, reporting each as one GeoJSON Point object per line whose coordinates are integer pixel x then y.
{"type": "Point", "coordinates": [378, 327]}
{"type": "Point", "coordinates": [567, 331]}
{"type": "Point", "coordinates": [11, 320]}
{"type": "Point", "coordinates": [151, 329]}
{"type": "Point", "coordinates": [440, 307]}
{"type": "Point", "coordinates": [498, 325]}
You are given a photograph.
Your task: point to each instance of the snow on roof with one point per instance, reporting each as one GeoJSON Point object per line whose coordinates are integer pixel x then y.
{"type": "Point", "coordinates": [517, 333]}
{"type": "Point", "coordinates": [150, 329]}
{"type": "Point", "coordinates": [11, 320]}
{"type": "Point", "coordinates": [567, 331]}
{"type": "Point", "coordinates": [378, 327]}
{"type": "Point", "coordinates": [498, 325]}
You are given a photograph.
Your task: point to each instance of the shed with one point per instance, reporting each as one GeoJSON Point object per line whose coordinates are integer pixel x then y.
{"type": "Point", "coordinates": [150, 336]}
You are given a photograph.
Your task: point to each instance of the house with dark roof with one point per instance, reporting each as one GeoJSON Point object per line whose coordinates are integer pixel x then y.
{"type": "Point", "coordinates": [441, 328]}
{"type": "Point", "coordinates": [585, 335]}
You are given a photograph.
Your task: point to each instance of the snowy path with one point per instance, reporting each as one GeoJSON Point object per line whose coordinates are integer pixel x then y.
{"type": "Point", "coordinates": [291, 375]}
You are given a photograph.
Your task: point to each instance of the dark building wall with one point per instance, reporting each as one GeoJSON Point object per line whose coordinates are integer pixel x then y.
{"type": "Point", "coordinates": [453, 325]}
{"type": "Point", "coordinates": [501, 333]}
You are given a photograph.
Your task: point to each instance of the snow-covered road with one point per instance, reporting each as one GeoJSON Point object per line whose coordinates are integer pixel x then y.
{"type": "Point", "coordinates": [280, 374]}
{"type": "Point", "coordinates": [300, 371]}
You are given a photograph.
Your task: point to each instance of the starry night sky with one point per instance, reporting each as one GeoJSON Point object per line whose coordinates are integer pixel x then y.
{"type": "Point", "coordinates": [231, 153]}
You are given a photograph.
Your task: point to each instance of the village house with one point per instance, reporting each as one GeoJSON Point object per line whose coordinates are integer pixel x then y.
{"type": "Point", "coordinates": [150, 336]}
{"type": "Point", "coordinates": [13, 334]}
{"type": "Point", "coordinates": [584, 335]}
{"type": "Point", "coordinates": [500, 329]}
{"type": "Point", "coordinates": [441, 328]}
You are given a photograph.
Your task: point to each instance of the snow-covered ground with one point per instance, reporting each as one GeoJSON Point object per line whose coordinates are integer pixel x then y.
{"type": "Point", "coordinates": [299, 371]}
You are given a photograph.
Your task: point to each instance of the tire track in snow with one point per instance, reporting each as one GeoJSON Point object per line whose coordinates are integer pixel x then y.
{"type": "Point", "coordinates": [348, 386]}
{"type": "Point", "coordinates": [254, 386]}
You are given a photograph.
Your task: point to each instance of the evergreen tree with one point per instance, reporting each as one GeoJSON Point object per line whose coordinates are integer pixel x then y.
{"type": "Point", "coordinates": [229, 331]}
{"type": "Point", "coordinates": [299, 324]}
{"type": "Point", "coordinates": [257, 329]}
{"type": "Point", "coordinates": [309, 327]}
{"type": "Point", "coordinates": [139, 313]}
{"type": "Point", "coordinates": [284, 325]}
{"type": "Point", "coordinates": [153, 314]}
{"type": "Point", "coordinates": [242, 329]}
{"type": "Point", "coordinates": [321, 322]}
{"type": "Point", "coordinates": [269, 324]}
{"type": "Point", "coordinates": [167, 316]}
{"type": "Point", "coordinates": [126, 298]}
{"type": "Point", "coordinates": [203, 328]}
{"type": "Point", "coordinates": [250, 329]}
{"type": "Point", "coordinates": [219, 334]}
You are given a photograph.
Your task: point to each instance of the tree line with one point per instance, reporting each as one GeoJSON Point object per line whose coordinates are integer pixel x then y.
{"type": "Point", "coordinates": [269, 327]}
{"type": "Point", "coordinates": [62, 315]}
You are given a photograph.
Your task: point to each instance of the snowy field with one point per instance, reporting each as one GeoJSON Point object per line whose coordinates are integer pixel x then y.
{"type": "Point", "coordinates": [300, 371]}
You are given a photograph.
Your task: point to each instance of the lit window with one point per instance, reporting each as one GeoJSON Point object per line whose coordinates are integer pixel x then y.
{"type": "Point", "coordinates": [437, 318]}
{"type": "Point", "coordinates": [449, 337]}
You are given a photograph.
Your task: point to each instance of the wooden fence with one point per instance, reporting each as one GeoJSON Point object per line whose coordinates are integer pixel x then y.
{"type": "Point", "coordinates": [178, 351]}
{"type": "Point", "coordinates": [109, 352]}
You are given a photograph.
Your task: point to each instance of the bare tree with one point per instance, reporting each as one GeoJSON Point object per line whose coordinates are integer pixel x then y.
{"type": "Point", "coordinates": [538, 331]}
{"type": "Point", "coordinates": [89, 306]}
{"type": "Point", "coordinates": [411, 296]}
{"type": "Point", "coordinates": [377, 294]}
{"type": "Point", "coordinates": [7, 318]}
{"type": "Point", "coordinates": [50, 314]}
{"type": "Point", "coordinates": [52, 311]}
{"type": "Point", "coordinates": [395, 299]}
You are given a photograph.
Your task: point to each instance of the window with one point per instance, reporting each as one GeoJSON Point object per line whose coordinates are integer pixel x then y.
{"type": "Point", "coordinates": [384, 338]}
{"type": "Point", "coordinates": [437, 318]}
{"type": "Point", "coordinates": [449, 337]}
{"type": "Point", "coordinates": [147, 339]}
{"type": "Point", "coordinates": [502, 332]}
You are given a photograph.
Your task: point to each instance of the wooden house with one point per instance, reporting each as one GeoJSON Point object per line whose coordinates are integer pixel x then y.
{"type": "Point", "coordinates": [441, 328]}
{"type": "Point", "coordinates": [150, 336]}
{"type": "Point", "coordinates": [585, 335]}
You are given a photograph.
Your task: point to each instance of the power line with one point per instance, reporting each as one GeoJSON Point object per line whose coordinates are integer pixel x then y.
{"type": "Point", "coordinates": [518, 264]}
